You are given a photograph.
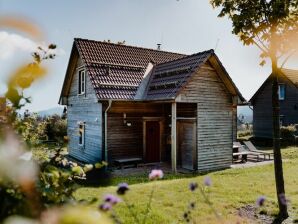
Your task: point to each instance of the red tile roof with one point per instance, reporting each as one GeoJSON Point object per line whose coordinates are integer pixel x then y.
{"type": "Point", "coordinates": [168, 78]}
{"type": "Point", "coordinates": [116, 70]}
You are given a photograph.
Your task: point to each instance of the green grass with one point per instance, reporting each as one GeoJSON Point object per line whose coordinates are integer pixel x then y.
{"type": "Point", "coordinates": [230, 190]}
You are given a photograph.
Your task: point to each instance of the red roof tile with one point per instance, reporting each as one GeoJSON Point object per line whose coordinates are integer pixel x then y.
{"type": "Point", "coordinates": [168, 78]}
{"type": "Point", "coordinates": [116, 70]}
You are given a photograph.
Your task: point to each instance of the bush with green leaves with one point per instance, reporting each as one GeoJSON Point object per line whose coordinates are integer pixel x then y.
{"type": "Point", "coordinates": [56, 128]}
{"type": "Point", "coordinates": [288, 133]}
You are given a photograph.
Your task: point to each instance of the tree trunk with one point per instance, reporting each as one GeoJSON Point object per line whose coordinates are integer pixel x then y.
{"type": "Point", "coordinates": [279, 179]}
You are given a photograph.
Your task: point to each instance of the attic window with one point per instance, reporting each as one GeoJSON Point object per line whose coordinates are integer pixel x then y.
{"type": "Point", "coordinates": [82, 82]}
{"type": "Point", "coordinates": [281, 91]}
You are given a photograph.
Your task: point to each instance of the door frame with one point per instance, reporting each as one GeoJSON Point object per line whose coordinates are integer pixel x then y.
{"type": "Point", "coordinates": [195, 144]}
{"type": "Point", "coordinates": [160, 120]}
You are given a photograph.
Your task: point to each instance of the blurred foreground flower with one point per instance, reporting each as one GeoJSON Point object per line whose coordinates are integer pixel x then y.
{"type": "Point", "coordinates": [19, 220]}
{"type": "Point", "coordinates": [122, 188]}
{"type": "Point", "coordinates": [155, 174]}
{"type": "Point", "coordinates": [112, 199]}
{"type": "Point", "coordinates": [260, 201]}
{"type": "Point", "coordinates": [207, 181]}
{"type": "Point", "coordinates": [193, 186]}
{"type": "Point", "coordinates": [74, 215]}
{"type": "Point", "coordinates": [12, 166]}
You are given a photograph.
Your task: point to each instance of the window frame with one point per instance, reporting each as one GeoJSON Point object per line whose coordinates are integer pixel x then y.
{"type": "Point", "coordinates": [82, 82]}
{"type": "Point", "coordinates": [82, 134]}
{"type": "Point", "coordinates": [279, 91]}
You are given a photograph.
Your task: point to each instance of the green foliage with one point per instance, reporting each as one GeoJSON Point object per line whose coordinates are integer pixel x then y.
{"type": "Point", "coordinates": [31, 128]}
{"type": "Point", "coordinates": [56, 128]}
{"type": "Point", "coordinates": [35, 129]}
{"type": "Point", "coordinates": [25, 75]}
{"type": "Point", "coordinates": [288, 133]}
{"type": "Point", "coordinates": [57, 178]}
{"type": "Point", "coordinates": [270, 25]}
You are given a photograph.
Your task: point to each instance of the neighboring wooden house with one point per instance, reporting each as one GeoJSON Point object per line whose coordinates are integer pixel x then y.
{"type": "Point", "coordinates": [262, 103]}
{"type": "Point", "coordinates": [132, 102]}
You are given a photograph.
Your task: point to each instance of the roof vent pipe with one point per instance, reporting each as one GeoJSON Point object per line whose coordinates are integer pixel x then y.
{"type": "Point", "coordinates": [158, 46]}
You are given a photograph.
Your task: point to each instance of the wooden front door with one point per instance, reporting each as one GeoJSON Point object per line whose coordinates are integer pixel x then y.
{"type": "Point", "coordinates": [186, 131]}
{"type": "Point", "coordinates": [152, 141]}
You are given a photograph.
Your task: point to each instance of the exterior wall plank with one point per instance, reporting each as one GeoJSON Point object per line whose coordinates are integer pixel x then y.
{"type": "Point", "coordinates": [214, 118]}
{"type": "Point", "coordinates": [84, 108]}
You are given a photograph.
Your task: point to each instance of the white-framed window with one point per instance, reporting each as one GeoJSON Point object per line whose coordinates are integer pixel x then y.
{"type": "Point", "coordinates": [81, 134]}
{"type": "Point", "coordinates": [281, 91]}
{"type": "Point", "coordinates": [82, 82]}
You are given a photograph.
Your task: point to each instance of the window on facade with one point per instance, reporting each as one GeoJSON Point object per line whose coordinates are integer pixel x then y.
{"type": "Point", "coordinates": [281, 91]}
{"type": "Point", "coordinates": [81, 134]}
{"type": "Point", "coordinates": [82, 82]}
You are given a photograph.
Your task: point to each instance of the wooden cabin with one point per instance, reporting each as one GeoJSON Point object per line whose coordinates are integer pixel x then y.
{"type": "Point", "coordinates": [288, 100]}
{"type": "Point", "coordinates": [129, 102]}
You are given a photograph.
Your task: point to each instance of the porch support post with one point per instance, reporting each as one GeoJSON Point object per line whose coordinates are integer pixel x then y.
{"type": "Point", "coordinates": [174, 138]}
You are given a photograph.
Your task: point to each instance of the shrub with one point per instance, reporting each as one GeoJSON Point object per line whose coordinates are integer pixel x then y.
{"type": "Point", "coordinates": [287, 133]}
{"type": "Point", "coordinates": [56, 128]}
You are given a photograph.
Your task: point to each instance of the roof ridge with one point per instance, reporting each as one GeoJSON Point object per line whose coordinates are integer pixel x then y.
{"type": "Point", "coordinates": [211, 51]}
{"type": "Point", "coordinates": [128, 46]}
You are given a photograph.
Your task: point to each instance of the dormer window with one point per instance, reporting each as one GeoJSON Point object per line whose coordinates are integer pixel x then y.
{"type": "Point", "coordinates": [82, 82]}
{"type": "Point", "coordinates": [281, 91]}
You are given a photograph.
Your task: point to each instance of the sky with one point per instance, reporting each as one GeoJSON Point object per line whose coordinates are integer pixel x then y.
{"type": "Point", "coordinates": [184, 26]}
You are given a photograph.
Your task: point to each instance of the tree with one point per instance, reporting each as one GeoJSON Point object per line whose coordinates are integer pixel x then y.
{"type": "Point", "coordinates": [272, 26]}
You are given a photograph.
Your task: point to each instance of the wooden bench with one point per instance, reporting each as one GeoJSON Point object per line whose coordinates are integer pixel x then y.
{"type": "Point", "coordinates": [246, 153]}
{"type": "Point", "coordinates": [127, 162]}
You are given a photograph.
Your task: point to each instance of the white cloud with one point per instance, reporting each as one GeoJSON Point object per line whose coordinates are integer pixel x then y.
{"type": "Point", "coordinates": [12, 43]}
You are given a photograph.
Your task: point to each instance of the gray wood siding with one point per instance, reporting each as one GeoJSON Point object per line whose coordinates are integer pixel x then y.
{"type": "Point", "coordinates": [262, 108]}
{"type": "Point", "coordinates": [84, 108]}
{"type": "Point", "coordinates": [214, 118]}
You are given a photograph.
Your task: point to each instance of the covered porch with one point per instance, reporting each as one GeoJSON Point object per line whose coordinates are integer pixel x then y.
{"type": "Point", "coordinates": [152, 133]}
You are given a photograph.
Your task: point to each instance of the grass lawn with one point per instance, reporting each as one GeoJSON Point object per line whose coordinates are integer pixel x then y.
{"type": "Point", "coordinates": [231, 189]}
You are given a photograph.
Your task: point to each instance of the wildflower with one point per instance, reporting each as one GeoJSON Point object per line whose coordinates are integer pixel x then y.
{"type": "Point", "coordinates": [193, 186]}
{"type": "Point", "coordinates": [207, 181]}
{"type": "Point", "coordinates": [260, 201]}
{"type": "Point", "coordinates": [192, 205]}
{"type": "Point", "coordinates": [111, 199]}
{"type": "Point", "coordinates": [155, 174]}
{"type": "Point", "coordinates": [283, 199]}
{"type": "Point", "coordinates": [105, 207]}
{"type": "Point", "coordinates": [122, 188]}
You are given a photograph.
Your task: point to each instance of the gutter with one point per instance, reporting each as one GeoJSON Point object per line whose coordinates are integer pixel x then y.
{"type": "Point", "coordinates": [106, 130]}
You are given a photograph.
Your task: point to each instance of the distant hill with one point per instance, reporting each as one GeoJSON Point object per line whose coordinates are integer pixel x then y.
{"type": "Point", "coordinates": [51, 111]}
{"type": "Point", "coordinates": [246, 112]}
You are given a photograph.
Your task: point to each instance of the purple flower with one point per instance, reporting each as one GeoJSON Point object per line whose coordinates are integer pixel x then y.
{"type": "Point", "coordinates": [193, 186]}
{"type": "Point", "coordinates": [283, 199]}
{"type": "Point", "coordinates": [155, 174]}
{"type": "Point", "coordinates": [112, 199]}
{"type": "Point", "coordinates": [260, 201]}
{"type": "Point", "coordinates": [122, 188]}
{"type": "Point", "coordinates": [207, 181]}
{"type": "Point", "coordinates": [105, 206]}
